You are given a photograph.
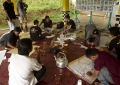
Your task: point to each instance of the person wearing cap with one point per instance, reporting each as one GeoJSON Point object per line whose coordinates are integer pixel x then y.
{"type": "Point", "coordinates": [70, 26]}
{"type": "Point", "coordinates": [114, 45]}
{"type": "Point", "coordinates": [92, 32]}
{"type": "Point", "coordinates": [47, 24]}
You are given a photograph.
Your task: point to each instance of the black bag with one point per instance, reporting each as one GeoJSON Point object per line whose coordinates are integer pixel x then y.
{"type": "Point", "coordinates": [60, 25]}
{"type": "Point", "coordinates": [54, 50]}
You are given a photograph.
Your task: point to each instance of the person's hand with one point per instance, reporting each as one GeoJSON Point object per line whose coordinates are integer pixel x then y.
{"type": "Point", "coordinates": [101, 49]}
{"type": "Point", "coordinates": [89, 73]}
{"type": "Point", "coordinates": [92, 44]}
{"type": "Point", "coordinates": [10, 20]}
{"type": "Point", "coordinates": [8, 49]}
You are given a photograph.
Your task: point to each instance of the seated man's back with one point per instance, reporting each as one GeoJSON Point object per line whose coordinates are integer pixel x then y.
{"type": "Point", "coordinates": [4, 38]}
{"type": "Point", "coordinates": [88, 30]}
{"type": "Point", "coordinates": [35, 33]}
{"type": "Point", "coordinates": [25, 70]}
{"type": "Point", "coordinates": [22, 67]}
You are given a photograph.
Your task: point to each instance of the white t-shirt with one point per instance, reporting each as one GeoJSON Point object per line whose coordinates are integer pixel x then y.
{"type": "Point", "coordinates": [21, 70]}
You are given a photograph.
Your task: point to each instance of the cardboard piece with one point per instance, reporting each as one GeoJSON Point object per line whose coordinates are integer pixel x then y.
{"type": "Point", "coordinates": [80, 67]}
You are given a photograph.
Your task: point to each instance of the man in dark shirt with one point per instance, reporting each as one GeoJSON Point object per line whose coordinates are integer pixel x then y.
{"type": "Point", "coordinates": [107, 67]}
{"type": "Point", "coordinates": [70, 26]}
{"type": "Point", "coordinates": [47, 24]}
{"type": "Point", "coordinates": [115, 42]}
{"type": "Point", "coordinates": [9, 40]}
{"type": "Point", "coordinates": [9, 9]}
{"type": "Point", "coordinates": [36, 32]}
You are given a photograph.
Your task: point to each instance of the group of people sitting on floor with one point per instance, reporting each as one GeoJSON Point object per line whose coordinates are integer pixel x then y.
{"type": "Point", "coordinates": [106, 61]}
{"type": "Point", "coordinates": [36, 33]}
{"type": "Point", "coordinates": [32, 71]}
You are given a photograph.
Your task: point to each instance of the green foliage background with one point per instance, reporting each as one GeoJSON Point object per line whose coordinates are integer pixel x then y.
{"type": "Point", "coordinates": [37, 9]}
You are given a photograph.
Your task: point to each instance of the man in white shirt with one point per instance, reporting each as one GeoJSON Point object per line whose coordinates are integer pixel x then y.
{"type": "Point", "coordinates": [24, 70]}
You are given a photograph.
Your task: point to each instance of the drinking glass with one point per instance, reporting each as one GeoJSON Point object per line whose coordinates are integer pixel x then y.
{"type": "Point", "coordinates": [43, 52]}
{"type": "Point", "coordinates": [57, 79]}
{"type": "Point", "coordinates": [68, 76]}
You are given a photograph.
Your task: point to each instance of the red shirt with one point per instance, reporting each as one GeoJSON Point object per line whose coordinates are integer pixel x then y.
{"type": "Point", "coordinates": [111, 63]}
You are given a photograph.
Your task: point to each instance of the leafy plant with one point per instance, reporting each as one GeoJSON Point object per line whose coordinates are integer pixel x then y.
{"type": "Point", "coordinates": [37, 9]}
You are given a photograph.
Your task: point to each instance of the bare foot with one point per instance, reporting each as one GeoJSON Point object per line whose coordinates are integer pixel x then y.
{"type": "Point", "coordinates": [98, 83]}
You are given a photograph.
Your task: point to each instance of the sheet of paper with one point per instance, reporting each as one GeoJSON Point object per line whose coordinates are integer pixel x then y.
{"type": "Point", "coordinates": [16, 50]}
{"type": "Point", "coordinates": [71, 36]}
{"type": "Point", "coordinates": [24, 35]}
{"type": "Point", "coordinates": [80, 67]}
{"type": "Point", "coordinates": [82, 46]}
{"type": "Point", "coordinates": [2, 55]}
{"type": "Point", "coordinates": [61, 42]}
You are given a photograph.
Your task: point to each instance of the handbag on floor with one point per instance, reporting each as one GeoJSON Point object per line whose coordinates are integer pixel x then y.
{"type": "Point", "coordinates": [54, 50]}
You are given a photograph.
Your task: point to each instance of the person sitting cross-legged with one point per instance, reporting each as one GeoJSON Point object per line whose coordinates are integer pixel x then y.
{"type": "Point", "coordinates": [36, 32]}
{"type": "Point", "coordinates": [107, 67]}
{"type": "Point", "coordinates": [47, 24]}
{"type": "Point", "coordinates": [25, 70]}
{"type": "Point", "coordinates": [9, 40]}
{"type": "Point", "coordinates": [70, 26]}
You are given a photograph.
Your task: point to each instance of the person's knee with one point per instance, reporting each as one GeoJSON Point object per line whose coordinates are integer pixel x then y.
{"type": "Point", "coordinates": [43, 69]}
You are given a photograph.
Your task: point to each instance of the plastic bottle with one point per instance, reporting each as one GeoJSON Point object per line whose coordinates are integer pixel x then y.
{"type": "Point", "coordinates": [79, 82]}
